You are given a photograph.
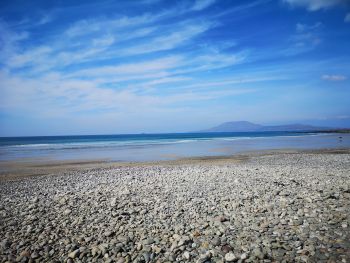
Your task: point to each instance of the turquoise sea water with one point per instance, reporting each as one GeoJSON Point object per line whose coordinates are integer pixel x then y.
{"type": "Point", "coordinates": [147, 147]}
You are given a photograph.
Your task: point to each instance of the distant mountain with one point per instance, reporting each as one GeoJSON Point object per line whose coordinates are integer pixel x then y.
{"type": "Point", "coordinates": [246, 126]}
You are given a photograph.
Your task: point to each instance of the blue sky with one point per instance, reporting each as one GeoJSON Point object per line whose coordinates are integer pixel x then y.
{"type": "Point", "coordinates": [101, 67]}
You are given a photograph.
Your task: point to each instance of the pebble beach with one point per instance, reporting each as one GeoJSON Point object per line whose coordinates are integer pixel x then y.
{"type": "Point", "coordinates": [282, 207]}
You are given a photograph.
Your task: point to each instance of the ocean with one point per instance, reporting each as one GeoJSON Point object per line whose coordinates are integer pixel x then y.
{"type": "Point", "coordinates": [152, 147]}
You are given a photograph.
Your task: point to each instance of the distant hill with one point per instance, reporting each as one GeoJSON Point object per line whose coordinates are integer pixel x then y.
{"type": "Point", "coordinates": [246, 126]}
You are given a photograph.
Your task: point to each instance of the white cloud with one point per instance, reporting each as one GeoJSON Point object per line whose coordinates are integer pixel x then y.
{"type": "Point", "coordinates": [62, 97]}
{"type": "Point", "coordinates": [26, 58]}
{"type": "Point", "coordinates": [88, 67]}
{"type": "Point", "coordinates": [86, 27]}
{"type": "Point", "coordinates": [145, 67]}
{"type": "Point", "coordinates": [106, 40]}
{"type": "Point", "coordinates": [334, 77]}
{"type": "Point", "coordinates": [230, 82]}
{"type": "Point", "coordinates": [121, 23]}
{"type": "Point", "coordinates": [306, 38]}
{"type": "Point", "coordinates": [300, 28]}
{"type": "Point", "coordinates": [159, 81]}
{"type": "Point", "coordinates": [314, 5]}
{"type": "Point", "coordinates": [45, 19]}
{"type": "Point", "coordinates": [167, 40]}
{"type": "Point", "coordinates": [9, 40]}
{"type": "Point", "coordinates": [202, 4]}
{"type": "Point", "coordinates": [347, 18]}
{"type": "Point", "coordinates": [103, 44]}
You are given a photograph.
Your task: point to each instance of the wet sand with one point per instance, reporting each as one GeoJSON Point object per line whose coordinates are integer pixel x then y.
{"type": "Point", "coordinates": [26, 167]}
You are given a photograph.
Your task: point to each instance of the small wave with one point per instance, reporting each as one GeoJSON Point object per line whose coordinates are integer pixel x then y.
{"type": "Point", "coordinates": [134, 143]}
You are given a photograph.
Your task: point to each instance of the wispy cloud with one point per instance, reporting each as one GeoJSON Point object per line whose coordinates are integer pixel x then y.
{"type": "Point", "coordinates": [97, 25]}
{"type": "Point", "coordinates": [306, 38]}
{"type": "Point", "coordinates": [347, 18]}
{"type": "Point", "coordinates": [151, 59]}
{"type": "Point", "coordinates": [314, 5]}
{"type": "Point", "coordinates": [10, 39]}
{"type": "Point", "coordinates": [130, 69]}
{"type": "Point", "coordinates": [47, 18]}
{"type": "Point", "coordinates": [168, 41]}
{"type": "Point", "coordinates": [61, 96]}
{"type": "Point", "coordinates": [202, 4]}
{"type": "Point", "coordinates": [334, 77]}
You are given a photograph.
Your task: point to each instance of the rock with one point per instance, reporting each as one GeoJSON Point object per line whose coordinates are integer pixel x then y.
{"type": "Point", "coordinates": [108, 233]}
{"type": "Point", "coordinates": [230, 257]}
{"type": "Point", "coordinates": [182, 213]}
{"type": "Point", "coordinates": [63, 201]}
{"type": "Point", "coordinates": [34, 255]}
{"type": "Point", "coordinates": [74, 254]}
{"type": "Point", "coordinates": [204, 257]}
{"type": "Point", "coordinates": [176, 237]}
{"type": "Point", "coordinates": [5, 244]}
{"type": "Point", "coordinates": [243, 256]}
{"type": "Point", "coordinates": [94, 251]}
{"type": "Point", "coordinates": [222, 219]}
{"type": "Point", "coordinates": [148, 241]}
{"type": "Point", "coordinates": [156, 249]}
{"type": "Point", "coordinates": [146, 256]}
{"type": "Point", "coordinates": [67, 212]}
{"type": "Point", "coordinates": [257, 253]}
{"type": "Point", "coordinates": [216, 241]}
{"type": "Point", "coordinates": [226, 249]}
{"type": "Point", "coordinates": [139, 246]}
{"type": "Point", "coordinates": [113, 202]}
{"type": "Point", "coordinates": [186, 255]}
{"type": "Point", "coordinates": [25, 253]}
{"type": "Point", "coordinates": [171, 257]}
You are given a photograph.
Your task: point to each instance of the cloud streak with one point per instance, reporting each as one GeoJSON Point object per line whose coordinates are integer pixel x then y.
{"type": "Point", "coordinates": [154, 58]}
{"type": "Point", "coordinates": [168, 41]}
{"type": "Point", "coordinates": [347, 18]}
{"type": "Point", "coordinates": [314, 5]}
{"type": "Point", "coordinates": [202, 4]}
{"type": "Point", "coordinates": [334, 77]}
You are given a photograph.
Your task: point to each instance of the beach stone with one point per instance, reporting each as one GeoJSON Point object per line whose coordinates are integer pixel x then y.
{"type": "Point", "coordinates": [67, 211]}
{"type": "Point", "coordinates": [277, 208]}
{"type": "Point", "coordinates": [74, 253]}
{"type": "Point", "coordinates": [5, 244]}
{"type": "Point", "coordinates": [230, 257]}
{"type": "Point", "coordinates": [108, 233]}
{"type": "Point", "coordinates": [186, 255]}
{"type": "Point", "coordinates": [34, 255]}
{"type": "Point", "coordinates": [146, 256]}
{"type": "Point", "coordinates": [204, 257]}
{"type": "Point", "coordinates": [148, 241]}
{"type": "Point", "coordinates": [113, 202]}
{"type": "Point", "coordinates": [257, 252]}
{"type": "Point", "coordinates": [216, 241]}
{"type": "Point", "coordinates": [243, 256]}
{"type": "Point", "coordinates": [226, 249]}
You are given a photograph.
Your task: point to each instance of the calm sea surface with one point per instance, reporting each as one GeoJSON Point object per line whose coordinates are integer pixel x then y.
{"type": "Point", "coordinates": [148, 147]}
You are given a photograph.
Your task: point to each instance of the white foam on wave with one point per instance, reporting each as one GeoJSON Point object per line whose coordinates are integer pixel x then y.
{"type": "Point", "coordinates": [136, 143]}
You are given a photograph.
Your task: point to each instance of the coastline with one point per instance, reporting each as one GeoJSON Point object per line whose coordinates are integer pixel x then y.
{"type": "Point", "coordinates": [26, 168]}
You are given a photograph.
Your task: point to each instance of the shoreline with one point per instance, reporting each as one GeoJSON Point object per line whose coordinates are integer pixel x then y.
{"type": "Point", "coordinates": [27, 168]}
{"type": "Point", "coordinates": [281, 206]}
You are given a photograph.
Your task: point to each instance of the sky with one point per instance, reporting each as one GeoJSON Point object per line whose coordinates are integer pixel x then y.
{"type": "Point", "coordinates": [153, 66]}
